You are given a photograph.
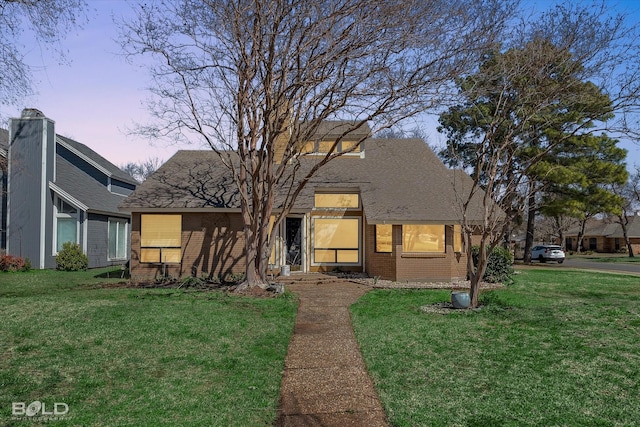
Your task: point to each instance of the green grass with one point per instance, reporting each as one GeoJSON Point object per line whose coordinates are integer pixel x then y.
{"type": "Point", "coordinates": [608, 258]}
{"type": "Point", "coordinates": [556, 348]}
{"type": "Point", "coordinates": [139, 357]}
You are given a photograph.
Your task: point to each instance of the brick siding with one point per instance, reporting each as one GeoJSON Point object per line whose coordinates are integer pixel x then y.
{"type": "Point", "coordinates": [212, 244]}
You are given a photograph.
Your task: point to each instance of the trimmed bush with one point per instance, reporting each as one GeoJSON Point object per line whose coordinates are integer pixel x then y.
{"type": "Point", "coordinates": [14, 263]}
{"type": "Point", "coordinates": [499, 265]}
{"type": "Point", "coordinates": [71, 258]}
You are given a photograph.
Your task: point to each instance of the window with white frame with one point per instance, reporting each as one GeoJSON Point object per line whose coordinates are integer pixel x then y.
{"type": "Point", "coordinates": [67, 224]}
{"type": "Point", "coordinates": [117, 238]}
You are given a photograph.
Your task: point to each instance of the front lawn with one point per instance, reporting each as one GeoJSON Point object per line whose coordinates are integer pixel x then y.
{"type": "Point", "coordinates": [556, 348]}
{"type": "Point", "coordinates": [624, 258]}
{"type": "Point", "coordinates": [139, 357]}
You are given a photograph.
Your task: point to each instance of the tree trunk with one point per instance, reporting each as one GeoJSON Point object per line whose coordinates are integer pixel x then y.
{"type": "Point", "coordinates": [476, 272]}
{"type": "Point", "coordinates": [581, 236]}
{"type": "Point", "coordinates": [625, 234]}
{"type": "Point", "coordinates": [531, 213]}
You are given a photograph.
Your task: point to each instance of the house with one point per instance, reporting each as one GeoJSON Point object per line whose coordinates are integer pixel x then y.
{"type": "Point", "coordinates": [59, 190]}
{"type": "Point", "coordinates": [605, 235]}
{"type": "Point", "coordinates": [389, 208]}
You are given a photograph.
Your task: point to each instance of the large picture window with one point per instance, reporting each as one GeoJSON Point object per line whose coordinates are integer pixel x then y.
{"type": "Point", "coordinates": [160, 238]}
{"type": "Point", "coordinates": [423, 238]}
{"type": "Point", "coordinates": [67, 224]}
{"type": "Point", "coordinates": [336, 240]}
{"type": "Point", "coordinates": [383, 237]}
{"type": "Point", "coordinates": [117, 239]}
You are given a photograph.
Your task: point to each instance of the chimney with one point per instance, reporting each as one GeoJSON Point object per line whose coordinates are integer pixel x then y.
{"type": "Point", "coordinates": [31, 161]}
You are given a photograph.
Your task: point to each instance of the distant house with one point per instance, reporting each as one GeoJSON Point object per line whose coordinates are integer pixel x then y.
{"type": "Point", "coordinates": [58, 190]}
{"type": "Point", "coordinates": [389, 209]}
{"type": "Point", "coordinates": [605, 235]}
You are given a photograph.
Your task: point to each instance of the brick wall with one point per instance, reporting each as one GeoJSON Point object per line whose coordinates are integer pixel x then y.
{"type": "Point", "coordinates": [378, 264]}
{"type": "Point", "coordinates": [212, 243]}
{"type": "Point", "coordinates": [397, 266]}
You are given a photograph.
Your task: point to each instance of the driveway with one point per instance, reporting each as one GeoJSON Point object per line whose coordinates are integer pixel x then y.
{"type": "Point", "coordinates": [584, 264]}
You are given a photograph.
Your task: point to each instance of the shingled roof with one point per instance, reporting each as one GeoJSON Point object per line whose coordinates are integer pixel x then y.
{"type": "Point", "coordinates": [608, 228]}
{"type": "Point", "coordinates": [90, 155]}
{"type": "Point", "coordinates": [400, 181]}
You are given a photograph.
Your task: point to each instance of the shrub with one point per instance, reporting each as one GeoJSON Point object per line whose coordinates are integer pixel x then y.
{"type": "Point", "coordinates": [14, 263]}
{"type": "Point", "coordinates": [234, 278]}
{"type": "Point", "coordinates": [499, 265]}
{"type": "Point", "coordinates": [71, 258]}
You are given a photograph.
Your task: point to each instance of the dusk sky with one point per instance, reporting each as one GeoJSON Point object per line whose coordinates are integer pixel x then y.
{"type": "Point", "coordinates": [99, 96]}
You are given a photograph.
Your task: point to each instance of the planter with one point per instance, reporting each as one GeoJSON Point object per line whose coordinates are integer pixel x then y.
{"type": "Point", "coordinates": [285, 270]}
{"type": "Point", "coordinates": [460, 299]}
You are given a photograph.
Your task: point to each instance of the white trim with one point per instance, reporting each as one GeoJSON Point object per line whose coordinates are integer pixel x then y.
{"type": "Point", "coordinates": [85, 230]}
{"type": "Point", "coordinates": [43, 193]}
{"type": "Point", "coordinates": [83, 157]}
{"type": "Point", "coordinates": [67, 197]}
{"type": "Point", "coordinates": [54, 233]}
{"type": "Point", "coordinates": [126, 237]}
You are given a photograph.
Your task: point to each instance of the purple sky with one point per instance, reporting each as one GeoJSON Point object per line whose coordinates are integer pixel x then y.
{"type": "Point", "coordinates": [99, 96]}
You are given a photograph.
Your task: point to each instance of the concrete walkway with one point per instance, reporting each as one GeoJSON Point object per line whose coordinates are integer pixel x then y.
{"type": "Point", "coordinates": [325, 382]}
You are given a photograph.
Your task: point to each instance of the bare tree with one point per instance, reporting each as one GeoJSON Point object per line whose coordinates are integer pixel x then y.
{"type": "Point", "coordinates": [256, 79]}
{"type": "Point", "coordinates": [48, 21]}
{"type": "Point", "coordinates": [141, 170]}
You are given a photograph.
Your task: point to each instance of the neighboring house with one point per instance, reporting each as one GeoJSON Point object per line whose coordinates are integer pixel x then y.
{"type": "Point", "coordinates": [388, 209]}
{"type": "Point", "coordinates": [4, 147]}
{"type": "Point", "coordinates": [605, 235]}
{"type": "Point", "coordinates": [59, 190]}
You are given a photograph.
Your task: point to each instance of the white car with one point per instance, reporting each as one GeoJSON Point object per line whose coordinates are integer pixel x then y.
{"type": "Point", "coordinates": [544, 253]}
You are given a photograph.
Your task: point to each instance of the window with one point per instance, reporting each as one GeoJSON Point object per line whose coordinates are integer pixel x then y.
{"type": "Point", "coordinates": [67, 224]}
{"type": "Point", "coordinates": [347, 145]}
{"type": "Point", "coordinates": [336, 240]}
{"type": "Point", "coordinates": [457, 238]}
{"type": "Point", "coordinates": [337, 200]}
{"type": "Point", "coordinates": [423, 238]}
{"type": "Point", "coordinates": [160, 238]}
{"type": "Point", "coordinates": [117, 239]}
{"type": "Point", "coordinates": [323, 147]}
{"type": "Point", "coordinates": [383, 238]}
{"type": "Point", "coordinates": [568, 243]}
{"type": "Point", "coordinates": [593, 243]}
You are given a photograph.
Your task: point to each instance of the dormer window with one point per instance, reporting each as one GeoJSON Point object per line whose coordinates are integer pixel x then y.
{"type": "Point", "coordinates": [323, 147]}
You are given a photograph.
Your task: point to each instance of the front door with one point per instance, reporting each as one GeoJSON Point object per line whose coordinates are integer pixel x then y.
{"type": "Point", "coordinates": [293, 233]}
